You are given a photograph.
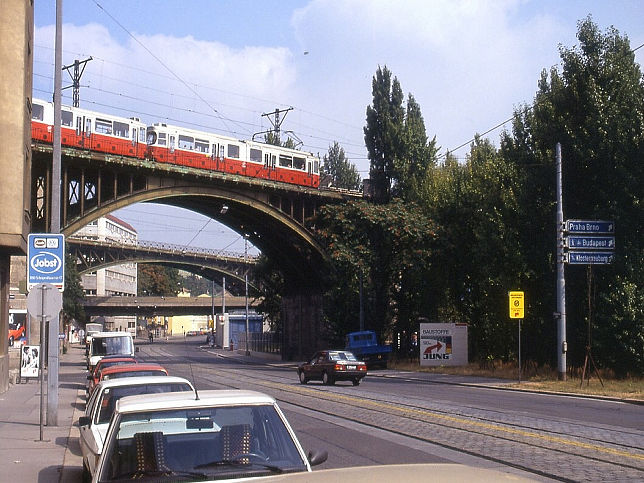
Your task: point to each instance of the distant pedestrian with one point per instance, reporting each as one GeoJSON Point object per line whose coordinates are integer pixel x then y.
{"type": "Point", "coordinates": [150, 337]}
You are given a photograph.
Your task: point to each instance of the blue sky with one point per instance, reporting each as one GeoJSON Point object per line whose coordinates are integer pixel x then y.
{"type": "Point", "coordinates": [219, 64]}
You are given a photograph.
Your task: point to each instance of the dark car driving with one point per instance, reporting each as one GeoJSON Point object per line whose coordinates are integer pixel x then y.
{"type": "Point", "coordinates": [330, 366]}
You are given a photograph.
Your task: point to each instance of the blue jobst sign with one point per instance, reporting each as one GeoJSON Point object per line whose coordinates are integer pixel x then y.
{"type": "Point", "coordinates": [46, 260]}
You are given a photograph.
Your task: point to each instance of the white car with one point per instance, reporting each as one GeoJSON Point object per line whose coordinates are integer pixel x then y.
{"type": "Point", "coordinates": [217, 434]}
{"type": "Point", "coordinates": [98, 412]}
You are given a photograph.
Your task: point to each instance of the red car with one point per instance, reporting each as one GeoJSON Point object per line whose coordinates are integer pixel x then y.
{"type": "Point", "coordinates": [132, 370]}
{"type": "Point", "coordinates": [16, 332]}
{"type": "Point", "coordinates": [108, 361]}
{"type": "Point", "coordinates": [332, 365]}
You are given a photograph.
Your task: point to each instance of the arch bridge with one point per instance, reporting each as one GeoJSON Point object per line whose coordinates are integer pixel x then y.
{"type": "Point", "coordinates": [93, 255]}
{"type": "Point", "coordinates": [274, 216]}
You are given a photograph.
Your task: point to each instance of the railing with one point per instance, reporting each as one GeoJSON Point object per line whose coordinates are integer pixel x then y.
{"type": "Point", "coordinates": [267, 342]}
{"type": "Point", "coordinates": [170, 248]}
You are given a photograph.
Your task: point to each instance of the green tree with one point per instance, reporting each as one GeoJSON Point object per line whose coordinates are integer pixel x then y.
{"type": "Point", "coordinates": [478, 257]}
{"type": "Point", "coordinates": [383, 132]}
{"type": "Point", "coordinates": [595, 108]}
{"type": "Point", "coordinates": [158, 280]}
{"type": "Point", "coordinates": [343, 173]}
{"type": "Point", "coordinates": [417, 157]}
{"type": "Point", "coordinates": [273, 138]}
{"type": "Point", "coordinates": [390, 247]}
{"type": "Point", "coordinates": [73, 296]}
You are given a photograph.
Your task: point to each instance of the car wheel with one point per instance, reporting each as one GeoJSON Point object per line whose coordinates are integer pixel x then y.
{"type": "Point", "coordinates": [356, 381]}
{"type": "Point", "coordinates": [326, 379]}
{"type": "Point", "coordinates": [303, 379]}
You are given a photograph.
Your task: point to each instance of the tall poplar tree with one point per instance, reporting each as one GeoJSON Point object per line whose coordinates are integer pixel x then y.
{"type": "Point", "coordinates": [383, 132]}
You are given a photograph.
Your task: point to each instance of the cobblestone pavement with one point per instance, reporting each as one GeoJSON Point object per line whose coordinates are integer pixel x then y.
{"type": "Point", "coordinates": [548, 447]}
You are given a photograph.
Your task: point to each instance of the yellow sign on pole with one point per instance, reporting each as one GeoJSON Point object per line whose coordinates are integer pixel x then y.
{"type": "Point", "coordinates": [516, 305]}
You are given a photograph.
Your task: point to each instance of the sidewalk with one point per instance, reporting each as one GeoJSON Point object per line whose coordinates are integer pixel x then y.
{"type": "Point", "coordinates": [23, 457]}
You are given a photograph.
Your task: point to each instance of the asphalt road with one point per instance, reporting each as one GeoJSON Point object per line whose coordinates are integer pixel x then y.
{"type": "Point", "coordinates": [395, 417]}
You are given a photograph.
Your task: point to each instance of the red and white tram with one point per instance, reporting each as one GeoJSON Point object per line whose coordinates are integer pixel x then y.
{"type": "Point", "coordinates": [165, 143]}
{"type": "Point", "coordinates": [90, 130]}
{"type": "Point", "coordinates": [198, 149]}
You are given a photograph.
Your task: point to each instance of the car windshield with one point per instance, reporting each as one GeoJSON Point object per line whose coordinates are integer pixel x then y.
{"type": "Point", "coordinates": [113, 394]}
{"type": "Point", "coordinates": [342, 356]}
{"type": "Point", "coordinates": [111, 345]}
{"type": "Point", "coordinates": [145, 372]}
{"type": "Point", "coordinates": [200, 443]}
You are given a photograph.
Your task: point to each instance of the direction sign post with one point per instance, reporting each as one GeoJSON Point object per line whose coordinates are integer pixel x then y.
{"type": "Point", "coordinates": [587, 242]}
{"type": "Point", "coordinates": [44, 302]}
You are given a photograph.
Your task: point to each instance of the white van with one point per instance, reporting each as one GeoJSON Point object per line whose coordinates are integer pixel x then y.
{"type": "Point", "coordinates": [108, 344]}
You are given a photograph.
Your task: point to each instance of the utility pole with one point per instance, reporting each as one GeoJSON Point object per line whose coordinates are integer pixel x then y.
{"type": "Point", "coordinates": [76, 77]}
{"type": "Point", "coordinates": [276, 121]}
{"type": "Point", "coordinates": [560, 315]}
{"type": "Point", "coordinates": [54, 227]}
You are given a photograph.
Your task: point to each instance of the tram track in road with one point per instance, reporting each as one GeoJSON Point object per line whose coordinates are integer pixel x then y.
{"type": "Point", "coordinates": [549, 453]}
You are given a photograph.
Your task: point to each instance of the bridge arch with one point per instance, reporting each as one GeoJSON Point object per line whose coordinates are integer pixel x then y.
{"type": "Point", "coordinates": [276, 234]}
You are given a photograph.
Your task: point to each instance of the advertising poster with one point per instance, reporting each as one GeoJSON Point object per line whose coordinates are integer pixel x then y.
{"type": "Point", "coordinates": [29, 361]}
{"type": "Point", "coordinates": [443, 344]}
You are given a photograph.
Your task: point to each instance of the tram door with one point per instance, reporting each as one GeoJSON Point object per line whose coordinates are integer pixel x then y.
{"type": "Point", "coordinates": [83, 132]}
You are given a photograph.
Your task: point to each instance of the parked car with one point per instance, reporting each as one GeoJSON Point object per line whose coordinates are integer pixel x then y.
{"type": "Point", "coordinates": [16, 332]}
{"type": "Point", "coordinates": [221, 434]}
{"type": "Point", "coordinates": [132, 370]}
{"type": "Point", "coordinates": [108, 361]}
{"type": "Point", "coordinates": [109, 343]}
{"type": "Point", "coordinates": [330, 366]}
{"type": "Point", "coordinates": [93, 424]}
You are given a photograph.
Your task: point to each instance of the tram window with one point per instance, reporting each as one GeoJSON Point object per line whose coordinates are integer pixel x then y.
{"type": "Point", "coordinates": [286, 161]}
{"type": "Point", "coordinates": [255, 155]}
{"type": "Point", "coordinates": [37, 112]}
{"type": "Point", "coordinates": [233, 151]}
{"type": "Point", "coordinates": [67, 118]}
{"type": "Point", "coordinates": [221, 152]}
{"type": "Point", "coordinates": [152, 137]}
{"type": "Point", "coordinates": [88, 126]}
{"type": "Point", "coordinates": [162, 139]}
{"type": "Point", "coordinates": [186, 142]}
{"type": "Point", "coordinates": [141, 134]}
{"type": "Point", "coordinates": [201, 145]}
{"type": "Point", "coordinates": [121, 129]}
{"type": "Point", "coordinates": [103, 126]}
{"type": "Point", "coordinates": [298, 163]}
{"type": "Point", "coordinates": [79, 126]}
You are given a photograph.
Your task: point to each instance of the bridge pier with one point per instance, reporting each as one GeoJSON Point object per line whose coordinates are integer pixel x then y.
{"type": "Point", "coordinates": [303, 330]}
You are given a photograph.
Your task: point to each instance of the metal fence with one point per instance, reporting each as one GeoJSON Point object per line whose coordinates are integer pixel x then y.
{"type": "Point", "coordinates": [268, 342]}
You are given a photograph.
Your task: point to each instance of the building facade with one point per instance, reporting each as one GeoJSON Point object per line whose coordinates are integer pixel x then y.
{"type": "Point", "coordinates": [117, 280]}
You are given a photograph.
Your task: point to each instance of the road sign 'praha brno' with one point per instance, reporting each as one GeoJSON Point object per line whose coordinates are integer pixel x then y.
{"type": "Point", "coordinates": [46, 260]}
{"type": "Point", "coordinates": [590, 226]}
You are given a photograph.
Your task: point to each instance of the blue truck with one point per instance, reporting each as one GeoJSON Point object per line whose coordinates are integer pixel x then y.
{"type": "Point", "coordinates": [365, 347]}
